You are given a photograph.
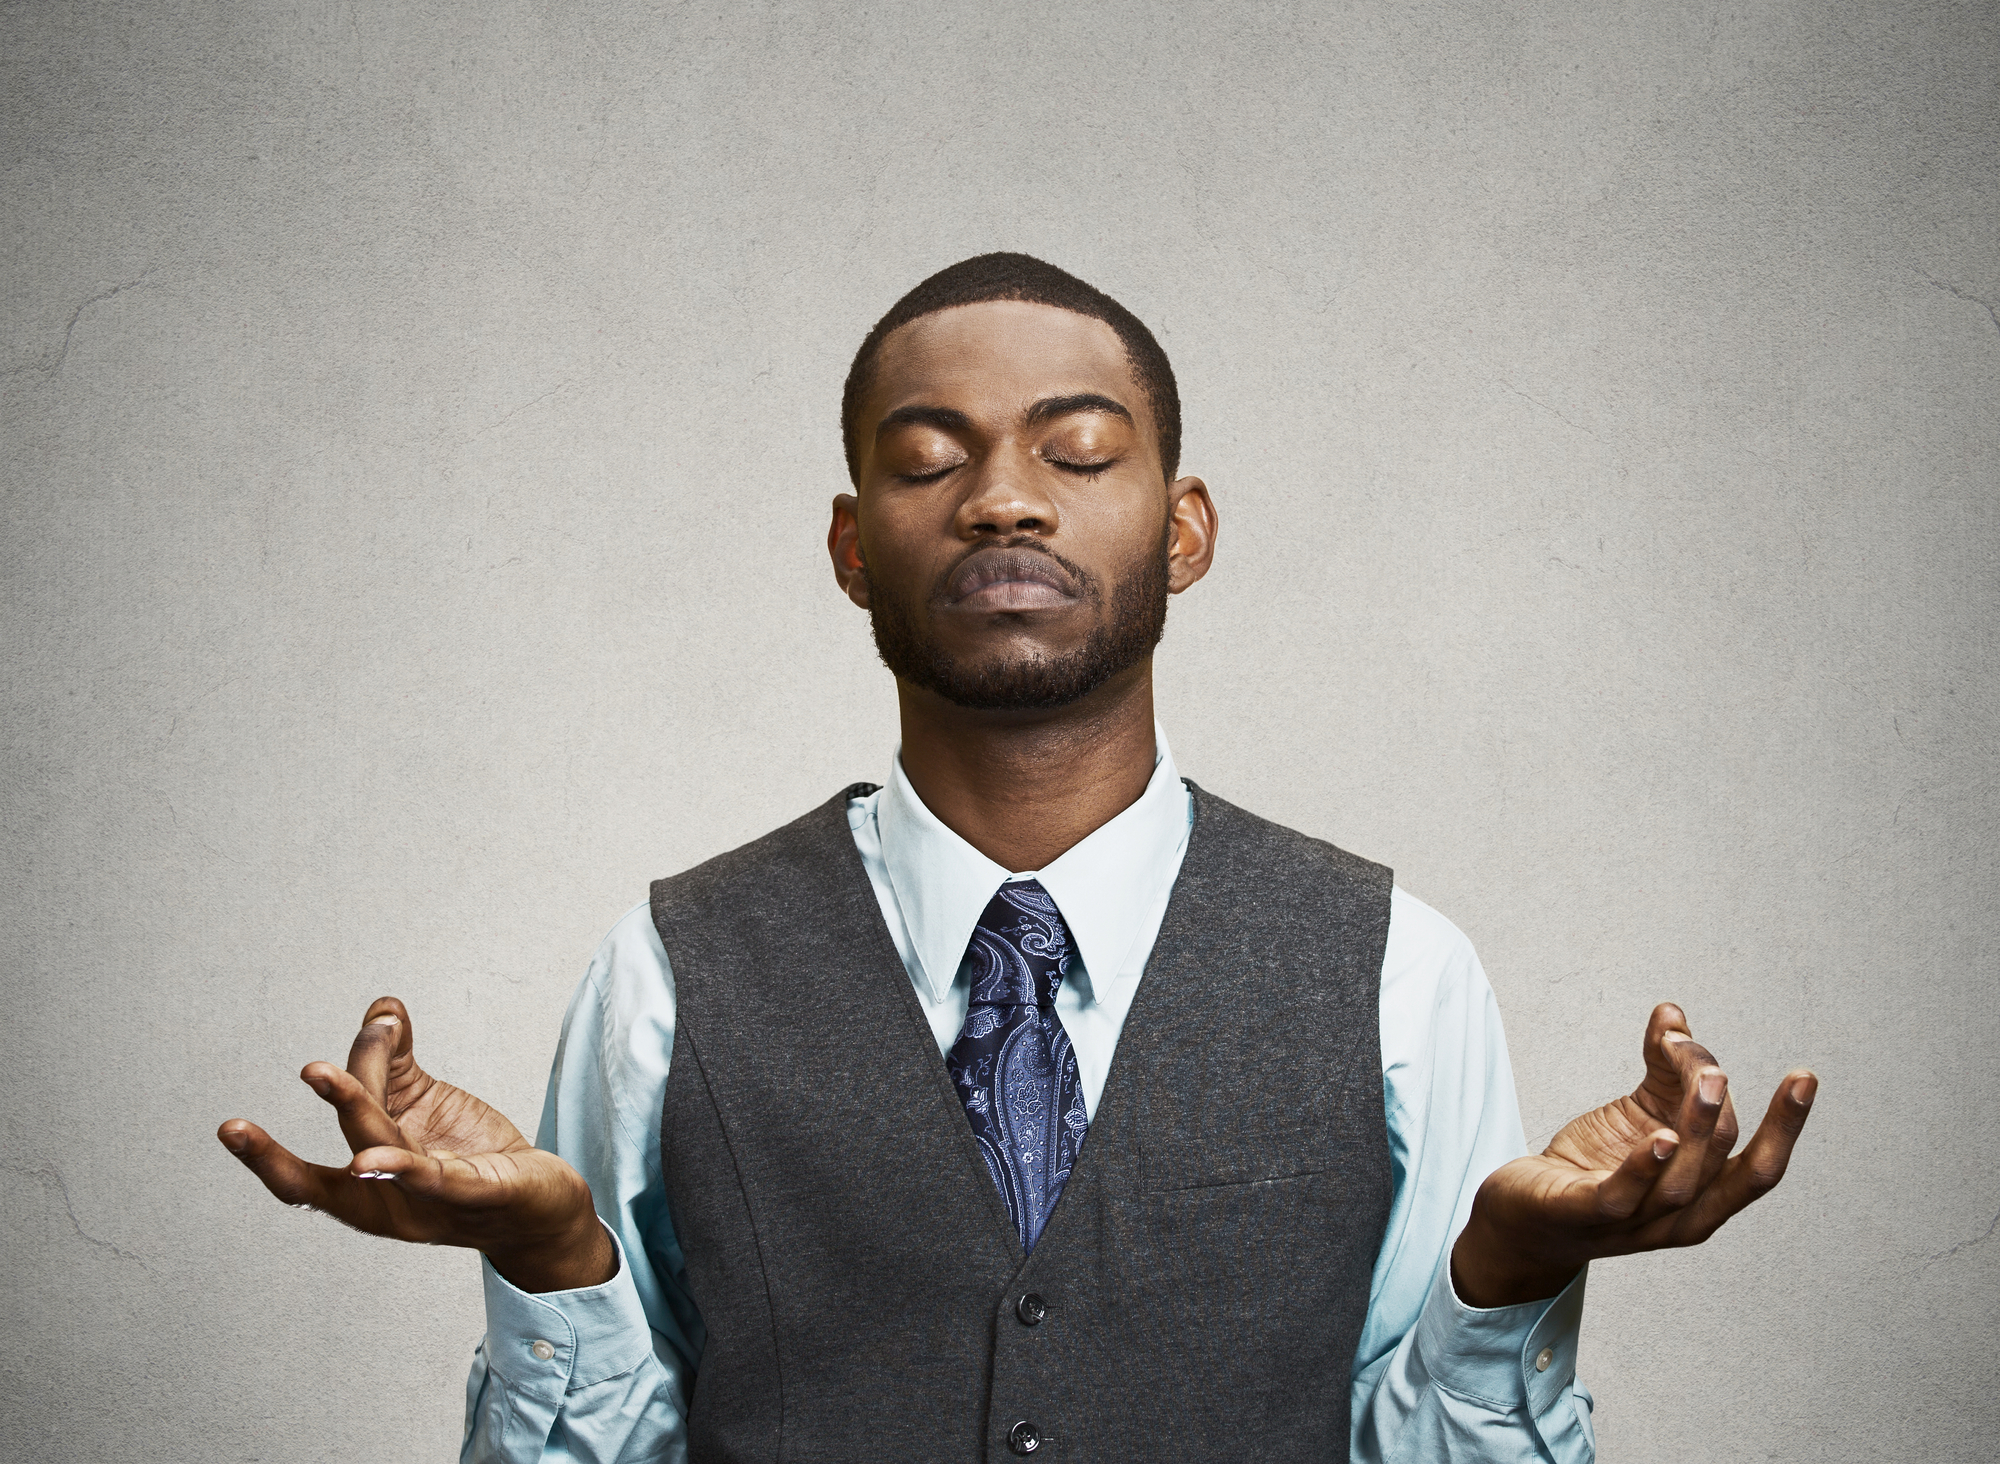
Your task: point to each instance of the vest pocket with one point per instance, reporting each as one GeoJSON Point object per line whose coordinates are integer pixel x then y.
{"type": "Point", "coordinates": [1238, 1159]}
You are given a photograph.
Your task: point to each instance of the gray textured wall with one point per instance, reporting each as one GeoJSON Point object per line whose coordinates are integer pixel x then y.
{"type": "Point", "coordinates": [419, 426]}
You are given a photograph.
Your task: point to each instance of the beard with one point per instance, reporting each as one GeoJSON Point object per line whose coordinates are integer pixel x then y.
{"type": "Point", "coordinates": [1124, 636]}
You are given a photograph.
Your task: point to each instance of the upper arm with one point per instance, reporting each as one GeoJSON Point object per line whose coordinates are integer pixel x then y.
{"type": "Point", "coordinates": [1448, 1095]}
{"type": "Point", "coordinates": [602, 1113]}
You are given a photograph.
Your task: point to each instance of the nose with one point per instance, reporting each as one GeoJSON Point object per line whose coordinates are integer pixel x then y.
{"type": "Point", "coordinates": [1007, 498]}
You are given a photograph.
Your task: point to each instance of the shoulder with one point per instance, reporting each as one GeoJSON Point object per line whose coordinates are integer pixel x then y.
{"type": "Point", "coordinates": [631, 982]}
{"type": "Point", "coordinates": [765, 868]}
{"type": "Point", "coordinates": [1424, 947]}
{"type": "Point", "coordinates": [632, 943]}
{"type": "Point", "coordinates": [1434, 991]}
{"type": "Point", "coordinates": [1257, 848]}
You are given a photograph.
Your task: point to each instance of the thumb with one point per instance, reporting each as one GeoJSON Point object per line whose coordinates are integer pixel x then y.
{"type": "Point", "coordinates": [384, 1056]}
{"type": "Point", "coordinates": [390, 1006]}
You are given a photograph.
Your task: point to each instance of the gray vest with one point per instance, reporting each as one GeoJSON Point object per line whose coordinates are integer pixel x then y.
{"type": "Point", "coordinates": [1200, 1289]}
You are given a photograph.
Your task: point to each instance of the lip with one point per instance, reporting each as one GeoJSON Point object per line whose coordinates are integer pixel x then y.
{"type": "Point", "coordinates": [998, 580]}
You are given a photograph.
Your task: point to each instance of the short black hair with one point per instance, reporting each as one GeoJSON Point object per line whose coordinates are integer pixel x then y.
{"type": "Point", "coordinates": [1020, 277]}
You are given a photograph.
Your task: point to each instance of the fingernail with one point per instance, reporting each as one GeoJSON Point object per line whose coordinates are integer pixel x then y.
{"type": "Point", "coordinates": [236, 1142]}
{"type": "Point", "coordinates": [1664, 1148]}
{"type": "Point", "coordinates": [1803, 1092]}
{"type": "Point", "coordinates": [374, 1174]}
{"type": "Point", "coordinates": [1711, 1086]}
{"type": "Point", "coordinates": [387, 1020]}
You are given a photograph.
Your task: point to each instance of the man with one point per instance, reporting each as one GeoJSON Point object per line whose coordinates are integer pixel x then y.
{"type": "Point", "coordinates": [1036, 1102]}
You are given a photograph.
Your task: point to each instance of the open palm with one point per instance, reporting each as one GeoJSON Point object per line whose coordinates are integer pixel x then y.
{"type": "Point", "coordinates": [435, 1164]}
{"type": "Point", "coordinates": [1647, 1171]}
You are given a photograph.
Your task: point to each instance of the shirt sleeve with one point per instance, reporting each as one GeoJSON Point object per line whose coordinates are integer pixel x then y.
{"type": "Point", "coordinates": [1433, 1377]}
{"type": "Point", "coordinates": [599, 1374]}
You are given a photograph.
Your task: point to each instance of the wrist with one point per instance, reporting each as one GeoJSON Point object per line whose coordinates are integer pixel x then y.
{"type": "Point", "coordinates": [1487, 1272]}
{"type": "Point", "coordinates": [581, 1256]}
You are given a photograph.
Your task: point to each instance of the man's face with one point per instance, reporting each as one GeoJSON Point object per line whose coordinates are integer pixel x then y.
{"type": "Point", "coordinates": [1013, 538]}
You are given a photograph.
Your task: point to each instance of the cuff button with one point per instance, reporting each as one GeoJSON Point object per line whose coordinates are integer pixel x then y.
{"type": "Point", "coordinates": [542, 1348]}
{"type": "Point", "coordinates": [1543, 1358]}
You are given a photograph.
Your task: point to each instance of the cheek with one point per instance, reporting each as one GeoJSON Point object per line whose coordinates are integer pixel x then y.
{"type": "Point", "coordinates": [902, 549]}
{"type": "Point", "coordinates": [1117, 529]}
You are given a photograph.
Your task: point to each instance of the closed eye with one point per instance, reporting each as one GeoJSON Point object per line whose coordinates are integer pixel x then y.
{"type": "Point", "coordinates": [931, 477]}
{"type": "Point", "coordinates": [1079, 467]}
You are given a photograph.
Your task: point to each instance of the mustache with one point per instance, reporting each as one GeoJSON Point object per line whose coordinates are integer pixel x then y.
{"type": "Point", "coordinates": [1022, 557]}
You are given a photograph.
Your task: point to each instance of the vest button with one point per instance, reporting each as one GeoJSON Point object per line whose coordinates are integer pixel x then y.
{"type": "Point", "coordinates": [1030, 1309]}
{"type": "Point", "coordinates": [1024, 1438]}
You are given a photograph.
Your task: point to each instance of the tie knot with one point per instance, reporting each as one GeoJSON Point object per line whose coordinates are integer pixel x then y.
{"type": "Point", "coordinates": [1020, 948]}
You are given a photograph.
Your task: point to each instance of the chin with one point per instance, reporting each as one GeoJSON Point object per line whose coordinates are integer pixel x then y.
{"type": "Point", "coordinates": [1017, 683]}
{"type": "Point", "coordinates": [1017, 662]}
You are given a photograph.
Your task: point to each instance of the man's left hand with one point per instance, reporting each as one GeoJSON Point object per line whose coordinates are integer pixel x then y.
{"type": "Point", "coordinates": [1644, 1172]}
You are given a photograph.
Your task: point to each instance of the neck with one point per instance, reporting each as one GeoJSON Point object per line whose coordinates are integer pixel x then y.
{"type": "Point", "coordinates": [1021, 787]}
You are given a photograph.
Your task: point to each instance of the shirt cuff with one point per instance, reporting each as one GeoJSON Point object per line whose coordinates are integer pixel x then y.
{"type": "Point", "coordinates": [553, 1342]}
{"type": "Point", "coordinates": [1505, 1357]}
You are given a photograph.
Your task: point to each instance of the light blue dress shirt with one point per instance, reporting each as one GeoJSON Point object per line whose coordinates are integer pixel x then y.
{"type": "Point", "coordinates": [602, 1373]}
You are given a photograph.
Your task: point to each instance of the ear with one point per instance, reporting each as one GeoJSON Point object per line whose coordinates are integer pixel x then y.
{"type": "Point", "coordinates": [1191, 526]}
{"type": "Point", "coordinates": [843, 546]}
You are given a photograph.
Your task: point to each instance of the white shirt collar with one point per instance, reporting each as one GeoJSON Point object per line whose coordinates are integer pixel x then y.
{"type": "Point", "coordinates": [1106, 885]}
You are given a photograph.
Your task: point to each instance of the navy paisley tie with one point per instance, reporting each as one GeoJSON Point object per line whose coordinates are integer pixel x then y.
{"type": "Point", "coordinates": [1012, 1061]}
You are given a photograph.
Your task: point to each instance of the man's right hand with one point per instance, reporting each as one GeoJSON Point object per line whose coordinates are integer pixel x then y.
{"type": "Point", "coordinates": [434, 1164]}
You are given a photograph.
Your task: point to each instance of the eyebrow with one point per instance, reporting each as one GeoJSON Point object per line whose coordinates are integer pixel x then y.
{"type": "Point", "coordinates": [949, 419]}
{"type": "Point", "coordinates": [1050, 408]}
{"type": "Point", "coordinates": [945, 419]}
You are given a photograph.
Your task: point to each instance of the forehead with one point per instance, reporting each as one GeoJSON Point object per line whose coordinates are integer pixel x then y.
{"type": "Point", "coordinates": [1000, 356]}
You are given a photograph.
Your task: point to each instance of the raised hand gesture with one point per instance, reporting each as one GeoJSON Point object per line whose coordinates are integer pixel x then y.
{"type": "Point", "coordinates": [1644, 1172]}
{"type": "Point", "coordinates": [434, 1164]}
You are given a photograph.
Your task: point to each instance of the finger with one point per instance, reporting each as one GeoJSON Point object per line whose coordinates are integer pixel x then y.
{"type": "Point", "coordinates": [1691, 1062]}
{"type": "Point", "coordinates": [383, 1032]}
{"type": "Point", "coordinates": [1721, 1142]}
{"type": "Point", "coordinates": [1701, 1110]}
{"type": "Point", "coordinates": [1672, 1059]}
{"type": "Point", "coordinates": [280, 1171]}
{"type": "Point", "coordinates": [1756, 1171]}
{"type": "Point", "coordinates": [364, 1204]}
{"type": "Point", "coordinates": [461, 1185]}
{"type": "Point", "coordinates": [1681, 1057]}
{"type": "Point", "coordinates": [1625, 1188]}
{"type": "Point", "coordinates": [363, 1122]}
